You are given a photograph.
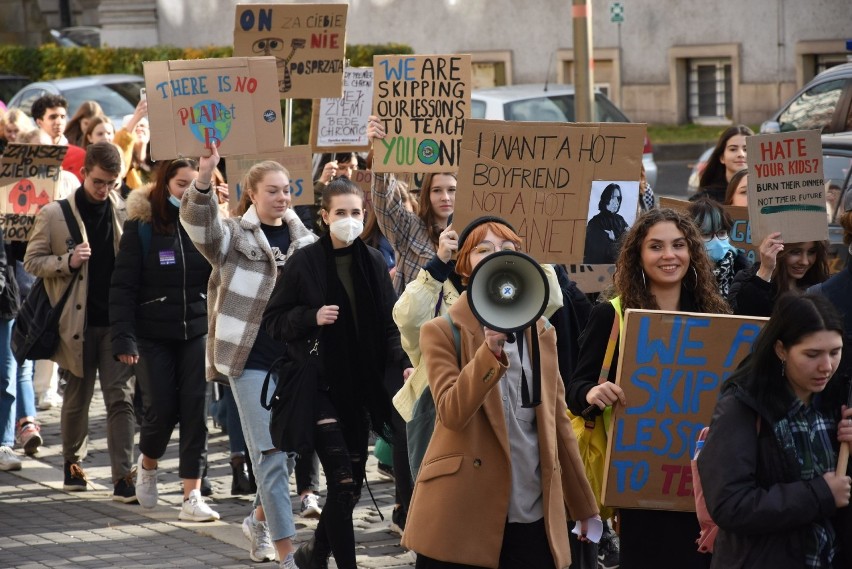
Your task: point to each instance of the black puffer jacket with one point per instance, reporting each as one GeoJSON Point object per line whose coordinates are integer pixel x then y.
{"type": "Point", "coordinates": [754, 491]}
{"type": "Point", "coordinates": [159, 285]}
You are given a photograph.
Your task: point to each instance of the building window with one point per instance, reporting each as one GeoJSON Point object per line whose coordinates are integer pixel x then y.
{"type": "Point", "coordinates": [710, 91]}
{"type": "Point", "coordinates": [828, 60]}
{"type": "Point", "coordinates": [491, 68]}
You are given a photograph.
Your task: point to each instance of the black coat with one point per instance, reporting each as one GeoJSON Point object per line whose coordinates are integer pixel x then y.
{"type": "Point", "coordinates": [750, 295]}
{"type": "Point", "coordinates": [754, 491]}
{"type": "Point", "coordinates": [159, 285]}
{"type": "Point", "coordinates": [291, 314]}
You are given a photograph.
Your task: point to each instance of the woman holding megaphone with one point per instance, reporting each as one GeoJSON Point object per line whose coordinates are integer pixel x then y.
{"type": "Point", "coordinates": [512, 460]}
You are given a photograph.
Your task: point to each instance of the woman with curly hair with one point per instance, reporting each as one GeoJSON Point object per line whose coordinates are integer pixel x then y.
{"type": "Point", "coordinates": [662, 266]}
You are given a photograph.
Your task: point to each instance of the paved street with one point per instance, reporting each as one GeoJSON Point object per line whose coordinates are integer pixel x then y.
{"type": "Point", "coordinates": [41, 526]}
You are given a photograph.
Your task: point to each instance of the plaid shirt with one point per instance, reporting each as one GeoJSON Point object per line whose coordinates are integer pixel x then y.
{"type": "Point", "coordinates": [808, 434]}
{"type": "Point", "coordinates": [405, 231]}
{"type": "Point", "coordinates": [244, 273]}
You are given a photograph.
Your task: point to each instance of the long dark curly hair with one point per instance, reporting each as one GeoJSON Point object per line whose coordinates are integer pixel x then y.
{"type": "Point", "coordinates": [699, 279]}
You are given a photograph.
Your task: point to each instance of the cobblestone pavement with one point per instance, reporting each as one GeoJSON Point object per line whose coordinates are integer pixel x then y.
{"type": "Point", "coordinates": [42, 526]}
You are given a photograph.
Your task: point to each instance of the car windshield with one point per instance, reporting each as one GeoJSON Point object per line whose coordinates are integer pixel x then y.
{"type": "Point", "coordinates": [116, 99]}
{"type": "Point", "coordinates": [559, 108]}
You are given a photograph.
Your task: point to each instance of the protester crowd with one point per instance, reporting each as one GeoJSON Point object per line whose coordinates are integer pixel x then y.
{"type": "Point", "coordinates": [365, 301]}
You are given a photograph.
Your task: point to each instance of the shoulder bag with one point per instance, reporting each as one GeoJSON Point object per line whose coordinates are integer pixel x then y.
{"type": "Point", "coordinates": [35, 334]}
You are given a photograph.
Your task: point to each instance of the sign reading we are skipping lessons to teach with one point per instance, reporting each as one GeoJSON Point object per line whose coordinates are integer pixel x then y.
{"type": "Point", "coordinates": [30, 175]}
{"type": "Point", "coordinates": [422, 101]}
{"type": "Point", "coordinates": [230, 102]}
{"type": "Point", "coordinates": [297, 161]}
{"type": "Point", "coordinates": [340, 125]}
{"type": "Point", "coordinates": [307, 41]}
{"type": "Point", "coordinates": [538, 177]}
{"type": "Point", "coordinates": [671, 368]}
{"type": "Point", "coordinates": [785, 186]}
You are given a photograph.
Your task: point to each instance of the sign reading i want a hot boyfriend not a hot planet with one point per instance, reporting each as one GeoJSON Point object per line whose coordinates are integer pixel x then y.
{"type": "Point", "coordinates": [231, 103]}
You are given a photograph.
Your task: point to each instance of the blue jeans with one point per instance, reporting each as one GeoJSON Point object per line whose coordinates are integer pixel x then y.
{"type": "Point", "coordinates": [272, 470]}
{"type": "Point", "coordinates": [8, 386]}
{"type": "Point", "coordinates": [26, 394]}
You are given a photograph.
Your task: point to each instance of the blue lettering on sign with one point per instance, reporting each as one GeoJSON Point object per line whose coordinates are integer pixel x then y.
{"type": "Point", "coordinates": [403, 71]}
{"type": "Point", "coordinates": [647, 349]}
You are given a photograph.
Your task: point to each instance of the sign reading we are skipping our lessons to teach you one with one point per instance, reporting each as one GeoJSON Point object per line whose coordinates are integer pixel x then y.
{"type": "Point", "coordinates": [307, 41]}
{"type": "Point", "coordinates": [671, 367]}
{"type": "Point", "coordinates": [422, 101]}
{"type": "Point", "coordinates": [785, 186]}
{"type": "Point", "coordinates": [230, 102]}
{"type": "Point", "coordinates": [538, 177]}
{"type": "Point", "coordinates": [29, 178]}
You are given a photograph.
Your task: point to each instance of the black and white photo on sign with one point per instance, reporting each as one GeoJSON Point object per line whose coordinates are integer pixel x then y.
{"type": "Point", "coordinates": [612, 210]}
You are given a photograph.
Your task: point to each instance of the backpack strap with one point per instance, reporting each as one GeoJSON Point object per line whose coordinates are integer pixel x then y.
{"type": "Point", "coordinates": [71, 221]}
{"type": "Point", "coordinates": [145, 232]}
{"type": "Point", "coordinates": [456, 337]}
{"type": "Point", "coordinates": [613, 341]}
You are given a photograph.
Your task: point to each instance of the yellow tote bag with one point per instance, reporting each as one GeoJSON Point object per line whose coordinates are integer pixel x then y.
{"type": "Point", "coordinates": [592, 433]}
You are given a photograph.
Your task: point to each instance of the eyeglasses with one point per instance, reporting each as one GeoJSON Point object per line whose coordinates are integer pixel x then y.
{"type": "Point", "coordinates": [721, 234]}
{"type": "Point", "coordinates": [111, 185]}
{"type": "Point", "coordinates": [486, 248]}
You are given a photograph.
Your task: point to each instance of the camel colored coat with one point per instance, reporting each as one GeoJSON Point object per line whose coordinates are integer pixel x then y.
{"type": "Point", "coordinates": [461, 498]}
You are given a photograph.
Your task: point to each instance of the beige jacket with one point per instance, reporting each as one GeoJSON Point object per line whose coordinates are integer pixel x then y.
{"type": "Point", "coordinates": [468, 459]}
{"type": "Point", "coordinates": [48, 257]}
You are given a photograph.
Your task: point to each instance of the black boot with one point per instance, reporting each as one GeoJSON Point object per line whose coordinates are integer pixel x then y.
{"type": "Point", "coordinates": [309, 556]}
{"type": "Point", "coordinates": [252, 481]}
{"type": "Point", "coordinates": [240, 485]}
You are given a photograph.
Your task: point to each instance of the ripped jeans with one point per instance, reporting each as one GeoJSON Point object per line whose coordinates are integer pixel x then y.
{"type": "Point", "coordinates": [343, 454]}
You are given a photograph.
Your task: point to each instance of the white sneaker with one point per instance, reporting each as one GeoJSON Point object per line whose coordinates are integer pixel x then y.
{"type": "Point", "coordinates": [9, 460]}
{"type": "Point", "coordinates": [49, 400]}
{"type": "Point", "coordinates": [288, 563]}
{"type": "Point", "coordinates": [310, 506]}
{"type": "Point", "coordinates": [195, 509]}
{"type": "Point", "coordinates": [261, 543]}
{"type": "Point", "coordinates": [146, 485]}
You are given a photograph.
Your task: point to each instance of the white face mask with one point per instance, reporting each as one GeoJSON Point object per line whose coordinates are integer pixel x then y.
{"type": "Point", "coordinates": [347, 229]}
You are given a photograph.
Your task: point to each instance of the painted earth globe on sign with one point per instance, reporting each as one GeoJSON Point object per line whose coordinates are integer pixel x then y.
{"type": "Point", "coordinates": [211, 119]}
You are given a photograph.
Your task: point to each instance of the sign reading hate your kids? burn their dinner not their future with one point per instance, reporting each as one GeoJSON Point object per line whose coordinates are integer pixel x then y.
{"type": "Point", "coordinates": [230, 102]}
{"type": "Point", "coordinates": [785, 186]}
{"type": "Point", "coordinates": [29, 178]}
{"type": "Point", "coordinates": [538, 177]}
{"type": "Point", "coordinates": [307, 41]}
{"type": "Point", "coordinates": [422, 102]}
{"type": "Point", "coordinates": [671, 367]}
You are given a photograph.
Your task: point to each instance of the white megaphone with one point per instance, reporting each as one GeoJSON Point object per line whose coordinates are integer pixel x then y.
{"type": "Point", "coordinates": [508, 291]}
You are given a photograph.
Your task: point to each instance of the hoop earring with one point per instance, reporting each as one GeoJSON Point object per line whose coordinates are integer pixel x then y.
{"type": "Point", "coordinates": [694, 272]}
{"type": "Point", "coordinates": [644, 282]}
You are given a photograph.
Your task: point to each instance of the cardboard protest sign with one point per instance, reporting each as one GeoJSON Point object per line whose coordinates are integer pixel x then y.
{"type": "Point", "coordinates": [740, 233]}
{"type": "Point", "coordinates": [307, 41]}
{"type": "Point", "coordinates": [422, 101]}
{"type": "Point", "coordinates": [671, 366]}
{"type": "Point", "coordinates": [364, 180]}
{"type": "Point", "coordinates": [339, 125]}
{"type": "Point", "coordinates": [785, 186]}
{"type": "Point", "coordinates": [297, 160]}
{"type": "Point", "coordinates": [230, 102]}
{"type": "Point", "coordinates": [29, 177]}
{"type": "Point", "coordinates": [538, 177]}
{"type": "Point", "coordinates": [591, 278]}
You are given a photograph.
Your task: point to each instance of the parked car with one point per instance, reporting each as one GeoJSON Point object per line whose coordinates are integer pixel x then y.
{"type": "Point", "coordinates": [548, 103]}
{"type": "Point", "coordinates": [118, 95]}
{"type": "Point", "coordinates": [9, 85]}
{"type": "Point", "coordinates": [825, 104]}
